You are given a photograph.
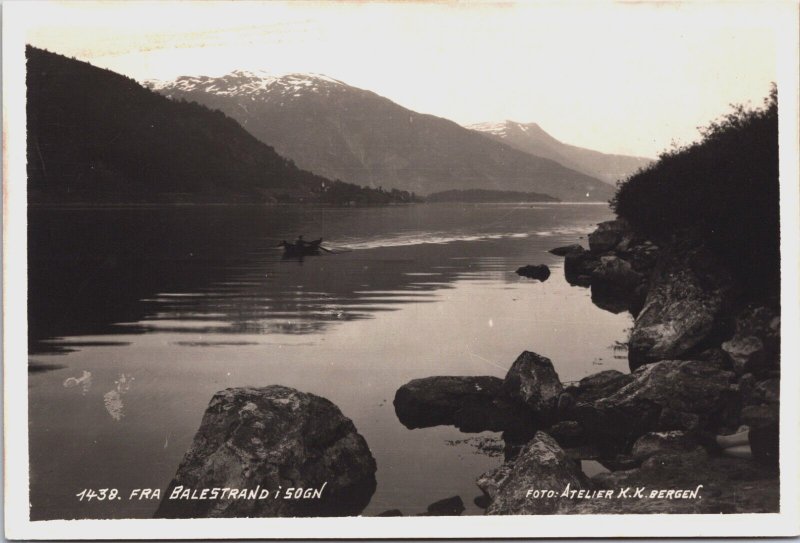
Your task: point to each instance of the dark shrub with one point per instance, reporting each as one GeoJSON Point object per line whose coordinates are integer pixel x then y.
{"type": "Point", "coordinates": [722, 190]}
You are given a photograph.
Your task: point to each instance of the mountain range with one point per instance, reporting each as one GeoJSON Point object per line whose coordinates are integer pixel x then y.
{"type": "Point", "coordinates": [531, 138]}
{"type": "Point", "coordinates": [95, 135]}
{"type": "Point", "coordinates": [342, 132]}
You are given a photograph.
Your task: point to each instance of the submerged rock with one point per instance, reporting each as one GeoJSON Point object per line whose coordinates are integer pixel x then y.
{"type": "Point", "coordinates": [390, 513]}
{"type": "Point", "coordinates": [273, 438]}
{"type": "Point", "coordinates": [541, 466]}
{"type": "Point", "coordinates": [686, 305]}
{"type": "Point", "coordinates": [567, 249]}
{"type": "Point", "coordinates": [533, 381]}
{"type": "Point", "coordinates": [472, 404]}
{"type": "Point", "coordinates": [448, 507]}
{"type": "Point", "coordinates": [540, 272]}
{"type": "Point", "coordinates": [666, 395]}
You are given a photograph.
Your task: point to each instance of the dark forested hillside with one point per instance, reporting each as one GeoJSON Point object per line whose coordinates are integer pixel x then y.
{"type": "Point", "coordinates": [97, 136]}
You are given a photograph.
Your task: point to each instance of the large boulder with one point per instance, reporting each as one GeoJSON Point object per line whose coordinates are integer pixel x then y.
{"type": "Point", "coordinates": [272, 439]}
{"type": "Point", "coordinates": [472, 404]}
{"type": "Point", "coordinates": [687, 303]}
{"type": "Point", "coordinates": [533, 381]}
{"type": "Point", "coordinates": [668, 395]}
{"type": "Point", "coordinates": [541, 467]}
{"type": "Point", "coordinates": [608, 235]}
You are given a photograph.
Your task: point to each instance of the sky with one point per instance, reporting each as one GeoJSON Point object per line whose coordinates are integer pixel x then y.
{"type": "Point", "coordinates": [630, 78]}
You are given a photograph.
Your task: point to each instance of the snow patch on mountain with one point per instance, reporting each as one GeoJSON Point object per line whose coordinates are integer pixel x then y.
{"type": "Point", "coordinates": [251, 83]}
{"type": "Point", "coordinates": [505, 128]}
{"type": "Point", "coordinates": [498, 129]}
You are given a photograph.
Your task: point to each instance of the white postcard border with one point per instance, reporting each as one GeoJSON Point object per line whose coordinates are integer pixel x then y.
{"type": "Point", "coordinates": [18, 525]}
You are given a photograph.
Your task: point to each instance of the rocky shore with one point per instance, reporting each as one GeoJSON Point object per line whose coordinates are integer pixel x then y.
{"type": "Point", "coordinates": [704, 361]}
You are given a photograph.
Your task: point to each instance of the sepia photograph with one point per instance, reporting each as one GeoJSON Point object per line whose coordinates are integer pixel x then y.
{"type": "Point", "coordinates": [392, 269]}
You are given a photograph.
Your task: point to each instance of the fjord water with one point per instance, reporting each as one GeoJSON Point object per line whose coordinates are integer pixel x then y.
{"type": "Point", "coordinates": [138, 315]}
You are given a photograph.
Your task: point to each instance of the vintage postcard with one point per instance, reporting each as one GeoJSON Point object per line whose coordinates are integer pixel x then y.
{"type": "Point", "coordinates": [400, 269]}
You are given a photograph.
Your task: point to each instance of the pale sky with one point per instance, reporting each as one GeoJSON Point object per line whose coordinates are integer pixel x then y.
{"type": "Point", "coordinates": [617, 77]}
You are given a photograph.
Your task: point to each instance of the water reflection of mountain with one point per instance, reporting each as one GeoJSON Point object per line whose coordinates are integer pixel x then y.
{"type": "Point", "coordinates": [215, 270]}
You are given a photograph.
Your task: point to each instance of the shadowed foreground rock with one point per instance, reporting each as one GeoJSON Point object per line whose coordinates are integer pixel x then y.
{"type": "Point", "coordinates": [729, 485]}
{"type": "Point", "coordinates": [268, 438]}
{"type": "Point", "coordinates": [677, 476]}
{"type": "Point", "coordinates": [542, 466]}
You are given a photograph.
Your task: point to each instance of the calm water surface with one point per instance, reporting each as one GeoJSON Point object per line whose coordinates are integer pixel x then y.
{"type": "Point", "coordinates": [165, 306]}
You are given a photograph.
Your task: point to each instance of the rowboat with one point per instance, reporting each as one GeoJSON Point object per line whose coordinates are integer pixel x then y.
{"type": "Point", "coordinates": [303, 249]}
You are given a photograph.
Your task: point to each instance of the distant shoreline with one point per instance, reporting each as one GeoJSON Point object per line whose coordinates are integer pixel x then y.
{"type": "Point", "coordinates": [115, 205]}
